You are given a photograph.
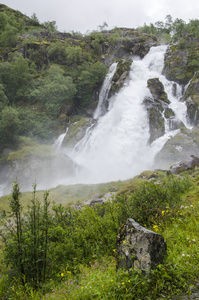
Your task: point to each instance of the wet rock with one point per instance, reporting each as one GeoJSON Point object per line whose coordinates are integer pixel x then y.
{"type": "Point", "coordinates": [157, 90]}
{"type": "Point", "coordinates": [156, 123]}
{"type": "Point", "coordinates": [178, 57]}
{"type": "Point", "coordinates": [178, 148]}
{"type": "Point", "coordinates": [191, 98]}
{"type": "Point", "coordinates": [158, 110]}
{"type": "Point", "coordinates": [129, 42]}
{"type": "Point", "coordinates": [76, 131]}
{"type": "Point", "coordinates": [96, 201]}
{"type": "Point", "coordinates": [181, 166]}
{"type": "Point", "coordinates": [139, 248]}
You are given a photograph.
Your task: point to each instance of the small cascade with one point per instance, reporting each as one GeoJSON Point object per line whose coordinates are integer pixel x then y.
{"type": "Point", "coordinates": [195, 116]}
{"type": "Point", "coordinates": [58, 143]}
{"type": "Point", "coordinates": [103, 96]}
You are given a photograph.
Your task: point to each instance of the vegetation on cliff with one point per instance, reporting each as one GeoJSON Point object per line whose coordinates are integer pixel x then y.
{"type": "Point", "coordinates": [47, 80]}
{"type": "Point", "coordinates": [46, 76]}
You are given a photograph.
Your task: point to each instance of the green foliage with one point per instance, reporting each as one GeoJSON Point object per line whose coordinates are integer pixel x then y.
{"type": "Point", "coordinates": [9, 36]}
{"type": "Point", "coordinates": [3, 98]}
{"type": "Point", "coordinates": [50, 26]}
{"type": "Point", "coordinates": [55, 91]}
{"type": "Point", "coordinates": [34, 124]}
{"type": "Point", "coordinates": [26, 239]}
{"type": "Point", "coordinates": [35, 19]}
{"type": "Point", "coordinates": [148, 204]}
{"type": "Point", "coordinates": [15, 76]}
{"type": "Point", "coordinates": [3, 21]}
{"type": "Point", "coordinates": [90, 77]}
{"type": "Point", "coordinates": [10, 123]}
{"type": "Point", "coordinates": [96, 39]}
{"type": "Point", "coordinates": [80, 245]}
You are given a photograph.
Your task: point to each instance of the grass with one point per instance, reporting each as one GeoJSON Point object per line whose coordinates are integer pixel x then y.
{"type": "Point", "coordinates": [178, 275]}
{"type": "Point", "coordinates": [99, 279]}
{"type": "Point", "coordinates": [79, 193]}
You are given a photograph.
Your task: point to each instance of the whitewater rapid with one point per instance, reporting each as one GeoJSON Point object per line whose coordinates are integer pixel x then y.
{"type": "Point", "coordinates": [117, 147]}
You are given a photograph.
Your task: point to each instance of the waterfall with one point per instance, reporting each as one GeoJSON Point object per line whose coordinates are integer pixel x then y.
{"type": "Point", "coordinates": [103, 96]}
{"type": "Point", "coordinates": [117, 148]}
{"type": "Point", "coordinates": [58, 143]}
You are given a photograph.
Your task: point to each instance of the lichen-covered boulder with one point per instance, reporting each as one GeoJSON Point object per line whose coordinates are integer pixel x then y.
{"type": "Point", "coordinates": [181, 166]}
{"type": "Point", "coordinates": [139, 248]}
{"type": "Point", "coordinates": [178, 148]}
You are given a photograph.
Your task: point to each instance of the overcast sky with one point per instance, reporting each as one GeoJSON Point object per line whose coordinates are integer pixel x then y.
{"type": "Point", "coordinates": [86, 15]}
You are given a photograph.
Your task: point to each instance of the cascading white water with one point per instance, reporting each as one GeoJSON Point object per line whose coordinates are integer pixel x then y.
{"type": "Point", "coordinates": [103, 96]}
{"type": "Point", "coordinates": [57, 144]}
{"type": "Point", "coordinates": [117, 147]}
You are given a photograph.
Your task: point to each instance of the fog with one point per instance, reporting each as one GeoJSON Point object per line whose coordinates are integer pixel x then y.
{"type": "Point", "coordinates": [86, 15]}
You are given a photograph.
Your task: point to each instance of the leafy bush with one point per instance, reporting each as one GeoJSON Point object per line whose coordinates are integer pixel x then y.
{"type": "Point", "coordinates": [149, 202]}
{"type": "Point", "coordinates": [26, 239]}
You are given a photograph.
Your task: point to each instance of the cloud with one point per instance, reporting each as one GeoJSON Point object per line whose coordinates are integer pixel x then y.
{"type": "Point", "coordinates": [86, 15]}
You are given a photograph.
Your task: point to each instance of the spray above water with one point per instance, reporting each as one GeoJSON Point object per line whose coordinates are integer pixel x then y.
{"type": "Point", "coordinates": [58, 143]}
{"type": "Point", "coordinates": [117, 147]}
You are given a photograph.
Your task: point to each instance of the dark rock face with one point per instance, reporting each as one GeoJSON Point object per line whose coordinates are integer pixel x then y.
{"type": "Point", "coordinates": [131, 42]}
{"type": "Point", "coordinates": [192, 100]}
{"type": "Point", "coordinates": [181, 166]}
{"type": "Point", "coordinates": [175, 64]}
{"type": "Point", "coordinates": [121, 75]}
{"type": "Point", "coordinates": [157, 90]}
{"type": "Point", "coordinates": [139, 248]}
{"type": "Point", "coordinates": [158, 110]}
{"type": "Point", "coordinates": [181, 59]}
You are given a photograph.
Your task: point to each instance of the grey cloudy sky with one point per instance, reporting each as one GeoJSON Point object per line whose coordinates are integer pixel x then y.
{"type": "Point", "coordinates": [84, 15]}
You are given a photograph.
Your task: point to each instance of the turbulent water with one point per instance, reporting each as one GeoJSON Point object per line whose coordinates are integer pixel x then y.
{"type": "Point", "coordinates": [117, 147]}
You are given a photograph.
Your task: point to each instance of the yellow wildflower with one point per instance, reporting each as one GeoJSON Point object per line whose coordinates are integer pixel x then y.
{"type": "Point", "coordinates": [163, 212]}
{"type": "Point", "coordinates": [62, 274]}
{"type": "Point", "coordinates": [124, 242]}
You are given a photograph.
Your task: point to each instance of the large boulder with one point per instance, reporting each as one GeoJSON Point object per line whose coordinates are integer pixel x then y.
{"type": "Point", "coordinates": [178, 148]}
{"type": "Point", "coordinates": [181, 166]}
{"type": "Point", "coordinates": [139, 248]}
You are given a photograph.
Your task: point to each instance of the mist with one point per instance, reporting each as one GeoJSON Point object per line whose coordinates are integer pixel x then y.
{"type": "Point", "coordinates": [115, 147]}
